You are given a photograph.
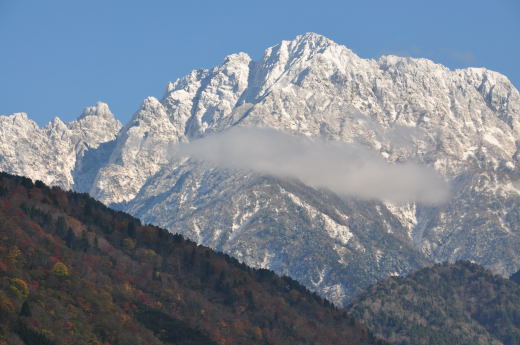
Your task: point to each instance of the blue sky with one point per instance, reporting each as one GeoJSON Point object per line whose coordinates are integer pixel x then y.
{"type": "Point", "coordinates": [59, 56]}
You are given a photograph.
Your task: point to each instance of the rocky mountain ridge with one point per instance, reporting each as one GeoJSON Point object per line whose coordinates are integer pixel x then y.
{"type": "Point", "coordinates": [53, 153]}
{"type": "Point", "coordinates": [465, 124]}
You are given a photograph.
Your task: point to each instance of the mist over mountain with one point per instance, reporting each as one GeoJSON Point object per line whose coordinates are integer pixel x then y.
{"type": "Point", "coordinates": [348, 169]}
{"type": "Point", "coordinates": [311, 161]}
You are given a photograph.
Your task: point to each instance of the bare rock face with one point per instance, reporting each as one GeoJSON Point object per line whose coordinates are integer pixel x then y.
{"type": "Point", "coordinates": [464, 123]}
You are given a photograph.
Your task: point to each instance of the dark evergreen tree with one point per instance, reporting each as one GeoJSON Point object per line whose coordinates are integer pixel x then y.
{"type": "Point", "coordinates": [26, 310]}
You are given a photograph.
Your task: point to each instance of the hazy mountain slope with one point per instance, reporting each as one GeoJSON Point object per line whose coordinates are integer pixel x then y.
{"type": "Point", "coordinates": [463, 123]}
{"type": "Point", "coordinates": [74, 271]}
{"type": "Point", "coordinates": [460, 303]}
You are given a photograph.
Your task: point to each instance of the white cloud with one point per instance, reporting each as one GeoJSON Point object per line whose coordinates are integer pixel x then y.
{"type": "Point", "coordinates": [346, 169]}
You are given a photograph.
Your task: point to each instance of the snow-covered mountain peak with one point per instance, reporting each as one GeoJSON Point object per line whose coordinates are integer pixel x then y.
{"type": "Point", "coordinates": [56, 126]}
{"type": "Point", "coordinates": [310, 85]}
{"type": "Point", "coordinates": [403, 64]}
{"type": "Point", "coordinates": [308, 51]}
{"type": "Point", "coordinates": [313, 86]}
{"type": "Point", "coordinates": [100, 109]}
{"type": "Point", "coordinates": [237, 58]}
{"type": "Point", "coordinates": [18, 118]}
{"type": "Point", "coordinates": [151, 116]}
{"type": "Point", "coordinates": [149, 103]}
{"type": "Point", "coordinates": [483, 73]}
{"type": "Point", "coordinates": [310, 41]}
{"type": "Point", "coordinates": [50, 153]}
{"type": "Point", "coordinates": [141, 149]}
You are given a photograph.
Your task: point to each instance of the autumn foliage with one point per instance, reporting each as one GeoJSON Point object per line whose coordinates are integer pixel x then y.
{"type": "Point", "coordinates": [73, 271]}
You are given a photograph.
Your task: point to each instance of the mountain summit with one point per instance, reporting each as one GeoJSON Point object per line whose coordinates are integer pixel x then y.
{"type": "Point", "coordinates": [464, 124]}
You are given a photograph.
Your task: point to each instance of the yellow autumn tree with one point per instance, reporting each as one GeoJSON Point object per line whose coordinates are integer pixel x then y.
{"type": "Point", "coordinates": [128, 243]}
{"type": "Point", "coordinates": [60, 269]}
{"type": "Point", "coordinates": [19, 287]}
{"type": "Point", "coordinates": [13, 254]}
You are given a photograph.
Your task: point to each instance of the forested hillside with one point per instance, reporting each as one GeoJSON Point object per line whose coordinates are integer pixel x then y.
{"type": "Point", "coordinates": [73, 271]}
{"type": "Point", "coordinates": [457, 304]}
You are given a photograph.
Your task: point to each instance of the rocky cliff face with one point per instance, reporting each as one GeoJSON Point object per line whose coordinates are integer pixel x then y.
{"type": "Point", "coordinates": [464, 123]}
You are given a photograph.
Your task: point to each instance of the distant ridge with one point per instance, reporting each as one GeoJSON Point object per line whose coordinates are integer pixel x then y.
{"type": "Point", "coordinates": [461, 303]}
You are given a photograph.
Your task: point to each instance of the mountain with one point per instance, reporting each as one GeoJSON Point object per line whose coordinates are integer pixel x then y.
{"type": "Point", "coordinates": [459, 303]}
{"type": "Point", "coordinates": [464, 124]}
{"type": "Point", "coordinates": [54, 154]}
{"type": "Point", "coordinates": [73, 271]}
